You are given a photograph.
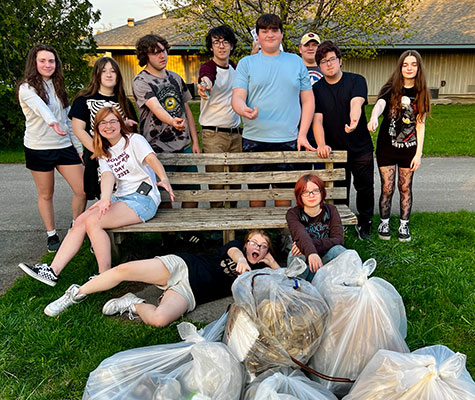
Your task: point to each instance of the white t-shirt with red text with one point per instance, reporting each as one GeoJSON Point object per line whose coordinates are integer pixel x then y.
{"type": "Point", "coordinates": [129, 168]}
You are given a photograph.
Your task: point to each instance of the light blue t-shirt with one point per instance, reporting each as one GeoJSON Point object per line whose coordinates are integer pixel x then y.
{"type": "Point", "coordinates": [273, 85]}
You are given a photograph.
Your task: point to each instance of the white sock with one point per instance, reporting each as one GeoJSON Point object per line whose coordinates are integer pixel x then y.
{"type": "Point", "coordinates": [403, 222]}
{"type": "Point", "coordinates": [51, 233]}
{"type": "Point", "coordinates": [385, 221]}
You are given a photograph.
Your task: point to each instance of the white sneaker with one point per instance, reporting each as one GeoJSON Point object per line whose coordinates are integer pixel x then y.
{"type": "Point", "coordinates": [122, 304]}
{"type": "Point", "coordinates": [69, 298]}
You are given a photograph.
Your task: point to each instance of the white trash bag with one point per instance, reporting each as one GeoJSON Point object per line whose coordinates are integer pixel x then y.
{"type": "Point", "coordinates": [274, 318]}
{"type": "Point", "coordinates": [366, 315]}
{"type": "Point", "coordinates": [286, 383]}
{"type": "Point", "coordinates": [430, 373]}
{"type": "Point", "coordinates": [117, 374]}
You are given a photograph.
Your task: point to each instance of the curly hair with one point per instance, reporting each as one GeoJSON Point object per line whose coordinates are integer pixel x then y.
{"type": "Point", "coordinates": [324, 48]}
{"type": "Point", "coordinates": [148, 44]}
{"type": "Point", "coordinates": [221, 32]}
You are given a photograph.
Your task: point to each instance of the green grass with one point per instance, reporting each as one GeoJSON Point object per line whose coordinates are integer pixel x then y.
{"type": "Point", "coordinates": [50, 358]}
{"type": "Point", "coordinates": [449, 132]}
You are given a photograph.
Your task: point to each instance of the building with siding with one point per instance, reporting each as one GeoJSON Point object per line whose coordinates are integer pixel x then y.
{"type": "Point", "coordinates": [445, 37]}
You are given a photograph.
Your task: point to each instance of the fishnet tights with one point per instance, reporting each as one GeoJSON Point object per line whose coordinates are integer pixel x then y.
{"type": "Point", "coordinates": [388, 178]}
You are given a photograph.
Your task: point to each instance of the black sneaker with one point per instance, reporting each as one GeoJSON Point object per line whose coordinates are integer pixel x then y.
{"type": "Point", "coordinates": [42, 272]}
{"type": "Point", "coordinates": [383, 231]}
{"type": "Point", "coordinates": [363, 231]}
{"type": "Point", "coordinates": [53, 243]}
{"type": "Point", "coordinates": [404, 233]}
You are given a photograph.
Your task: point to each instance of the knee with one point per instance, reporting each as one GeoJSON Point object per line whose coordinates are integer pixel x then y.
{"type": "Point", "coordinates": [159, 319]}
{"type": "Point", "coordinates": [404, 189]}
{"type": "Point", "coordinates": [123, 270]}
{"type": "Point", "coordinates": [45, 196]}
{"type": "Point", "coordinates": [91, 222]}
{"type": "Point", "coordinates": [387, 190]}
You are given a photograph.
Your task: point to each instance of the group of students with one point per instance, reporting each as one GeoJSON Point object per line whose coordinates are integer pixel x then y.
{"type": "Point", "coordinates": [93, 146]}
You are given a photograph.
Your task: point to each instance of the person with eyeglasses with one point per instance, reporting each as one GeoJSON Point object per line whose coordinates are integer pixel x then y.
{"type": "Point", "coordinates": [128, 163]}
{"type": "Point", "coordinates": [221, 131]}
{"type": "Point", "coordinates": [187, 280]}
{"type": "Point", "coordinates": [339, 123]}
{"type": "Point", "coordinates": [315, 226]}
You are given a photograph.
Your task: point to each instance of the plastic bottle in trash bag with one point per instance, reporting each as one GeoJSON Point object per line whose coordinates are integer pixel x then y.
{"type": "Point", "coordinates": [430, 373]}
{"type": "Point", "coordinates": [366, 315]}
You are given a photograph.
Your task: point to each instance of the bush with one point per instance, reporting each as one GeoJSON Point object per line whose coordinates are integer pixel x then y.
{"type": "Point", "coordinates": [12, 121]}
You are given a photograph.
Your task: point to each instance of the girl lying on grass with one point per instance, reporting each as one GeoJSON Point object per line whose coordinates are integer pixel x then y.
{"type": "Point", "coordinates": [128, 161]}
{"type": "Point", "coordinates": [187, 280]}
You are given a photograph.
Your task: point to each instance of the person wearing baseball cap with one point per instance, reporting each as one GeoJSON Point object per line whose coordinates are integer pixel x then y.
{"type": "Point", "coordinates": [308, 48]}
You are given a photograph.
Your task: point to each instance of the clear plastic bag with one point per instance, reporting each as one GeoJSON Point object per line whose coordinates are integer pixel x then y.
{"type": "Point", "coordinates": [430, 373]}
{"type": "Point", "coordinates": [148, 366]}
{"type": "Point", "coordinates": [273, 319]}
{"type": "Point", "coordinates": [366, 315]}
{"type": "Point", "coordinates": [286, 383]}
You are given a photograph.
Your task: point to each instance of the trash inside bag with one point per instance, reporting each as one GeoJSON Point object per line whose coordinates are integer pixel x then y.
{"type": "Point", "coordinates": [286, 383]}
{"type": "Point", "coordinates": [117, 374]}
{"type": "Point", "coordinates": [273, 319]}
{"type": "Point", "coordinates": [366, 315]}
{"type": "Point", "coordinates": [430, 373]}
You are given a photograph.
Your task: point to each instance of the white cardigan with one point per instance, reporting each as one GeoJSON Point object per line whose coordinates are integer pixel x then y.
{"type": "Point", "coordinates": [38, 134]}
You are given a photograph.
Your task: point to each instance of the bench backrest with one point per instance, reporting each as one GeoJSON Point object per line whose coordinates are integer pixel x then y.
{"type": "Point", "coordinates": [305, 161]}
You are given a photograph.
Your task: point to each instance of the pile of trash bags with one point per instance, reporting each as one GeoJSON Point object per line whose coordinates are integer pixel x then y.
{"type": "Point", "coordinates": [340, 337]}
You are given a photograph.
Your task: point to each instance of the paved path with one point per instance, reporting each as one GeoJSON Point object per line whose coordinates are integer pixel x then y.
{"type": "Point", "coordinates": [441, 184]}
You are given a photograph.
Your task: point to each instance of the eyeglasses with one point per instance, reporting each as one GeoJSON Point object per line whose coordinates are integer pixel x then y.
{"type": "Point", "coordinates": [219, 43]}
{"type": "Point", "coordinates": [329, 61]}
{"type": "Point", "coordinates": [314, 192]}
{"type": "Point", "coordinates": [258, 246]}
{"type": "Point", "coordinates": [110, 122]}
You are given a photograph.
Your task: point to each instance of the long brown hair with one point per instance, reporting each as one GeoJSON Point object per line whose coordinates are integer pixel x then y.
{"type": "Point", "coordinates": [33, 78]}
{"type": "Point", "coordinates": [95, 84]}
{"type": "Point", "coordinates": [262, 233]}
{"type": "Point", "coordinates": [395, 85]}
{"type": "Point", "coordinates": [101, 144]}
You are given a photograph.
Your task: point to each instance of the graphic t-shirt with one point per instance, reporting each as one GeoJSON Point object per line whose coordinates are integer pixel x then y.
{"type": "Point", "coordinates": [211, 277]}
{"type": "Point", "coordinates": [399, 132]}
{"type": "Point", "coordinates": [314, 74]}
{"type": "Point", "coordinates": [129, 168]}
{"type": "Point", "coordinates": [172, 93]}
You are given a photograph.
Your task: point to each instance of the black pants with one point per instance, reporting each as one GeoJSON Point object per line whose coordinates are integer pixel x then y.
{"type": "Point", "coordinates": [361, 166]}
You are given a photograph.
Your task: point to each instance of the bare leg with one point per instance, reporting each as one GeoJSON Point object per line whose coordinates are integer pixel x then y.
{"type": "Point", "coordinates": [44, 182]}
{"type": "Point", "coordinates": [172, 306]}
{"type": "Point", "coordinates": [404, 183]}
{"type": "Point", "coordinates": [151, 271]}
{"type": "Point", "coordinates": [388, 179]}
{"type": "Point", "coordinates": [73, 174]}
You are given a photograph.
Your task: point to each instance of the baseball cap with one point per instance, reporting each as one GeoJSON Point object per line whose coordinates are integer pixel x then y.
{"type": "Point", "coordinates": [308, 37]}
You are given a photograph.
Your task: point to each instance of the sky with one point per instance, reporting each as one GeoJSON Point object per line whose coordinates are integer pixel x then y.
{"type": "Point", "coordinates": [114, 13]}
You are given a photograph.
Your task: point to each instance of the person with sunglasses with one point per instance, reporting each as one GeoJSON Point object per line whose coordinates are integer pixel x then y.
{"type": "Point", "coordinates": [128, 163]}
{"type": "Point", "coordinates": [315, 226]}
{"type": "Point", "coordinates": [187, 280]}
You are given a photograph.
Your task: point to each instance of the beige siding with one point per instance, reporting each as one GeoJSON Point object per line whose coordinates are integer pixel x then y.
{"type": "Point", "coordinates": [456, 69]}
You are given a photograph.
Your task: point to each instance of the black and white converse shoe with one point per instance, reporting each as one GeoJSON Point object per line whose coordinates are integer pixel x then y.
{"type": "Point", "coordinates": [383, 231]}
{"type": "Point", "coordinates": [41, 272]}
{"type": "Point", "coordinates": [404, 233]}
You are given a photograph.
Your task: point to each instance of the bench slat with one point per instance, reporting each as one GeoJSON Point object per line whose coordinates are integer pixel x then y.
{"type": "Point", "coordinates": [244, 194]}
{"type": "Point", "coordinates": [227, 178]}
{"type": "Point", "coordinates": [274, 157]}
{"type": "Point", "coordinates": [200, 219]}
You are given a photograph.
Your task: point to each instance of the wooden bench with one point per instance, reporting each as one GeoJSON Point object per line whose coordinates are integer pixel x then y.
{"type": "Point", "coordinates": [229, 219]}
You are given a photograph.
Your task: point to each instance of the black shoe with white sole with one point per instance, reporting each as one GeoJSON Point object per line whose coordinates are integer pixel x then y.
{"type": "Point", "coordinates": [404, 233]}
{"type": "Point", "coordinates": [41, 272]}
{"type": "Point", "coordinates": [53, 243]}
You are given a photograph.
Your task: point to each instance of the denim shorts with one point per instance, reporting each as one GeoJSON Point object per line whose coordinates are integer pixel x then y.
{"type": "Point", "coordinates": [143, 206]}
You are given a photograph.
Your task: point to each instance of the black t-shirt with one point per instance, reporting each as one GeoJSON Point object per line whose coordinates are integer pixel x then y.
{"type": "Point", "coordinates": [399, 133]}
{"type": "Point", "coordinates": [211, 276]}
{"type": "Point", "coordinates": [333, 101]}
{"type": "Point", "coordinates": [86, 108]}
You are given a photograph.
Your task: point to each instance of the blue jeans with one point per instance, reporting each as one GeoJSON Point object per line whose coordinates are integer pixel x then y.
{"type": "Point", "coordinates": [334, 252]}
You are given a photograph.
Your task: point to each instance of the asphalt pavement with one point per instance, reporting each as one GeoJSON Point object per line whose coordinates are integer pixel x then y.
{"type": "Point", "coordinates": [441, 184]}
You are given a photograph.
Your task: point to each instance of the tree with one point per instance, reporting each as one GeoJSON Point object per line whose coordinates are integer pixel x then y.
{"type": "Point", "coordinates": [64, 24]}
{"type": "Point", "coordinates": [358, 26]}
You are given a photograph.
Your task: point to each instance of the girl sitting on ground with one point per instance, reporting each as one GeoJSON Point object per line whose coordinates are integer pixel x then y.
{"type": "Point", "coordinates": [314, 225]}
{"type": "Point", "coordinates": [187, 279]}
{"type": "Point", "coordinates": [128, 161]}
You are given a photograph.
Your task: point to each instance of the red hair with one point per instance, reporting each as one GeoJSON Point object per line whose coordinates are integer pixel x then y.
{"type": "Point", "coordinates": [301, 186]}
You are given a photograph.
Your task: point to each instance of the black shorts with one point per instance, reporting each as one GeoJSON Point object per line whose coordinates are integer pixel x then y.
{"type": "Point", "coordinates": [47, 160]}
{"type": "Point", "coordinates": [250, 146]}
{"type": "Point", "coordinates": [391, 156]}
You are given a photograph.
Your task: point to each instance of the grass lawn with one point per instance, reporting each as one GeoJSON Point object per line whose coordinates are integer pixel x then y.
{"type": "Point", "coordinates": [50, 358]}
{"type": "Point", "coordinates": [449, 132]}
